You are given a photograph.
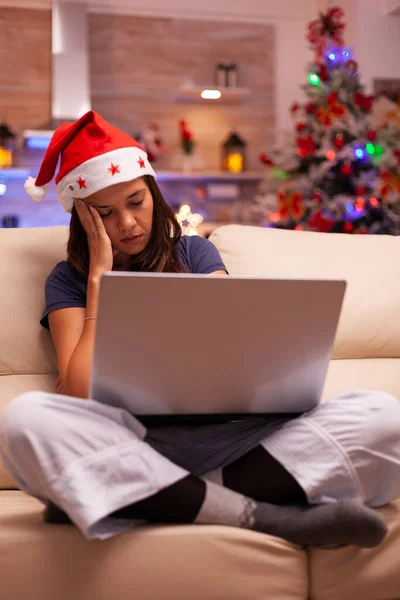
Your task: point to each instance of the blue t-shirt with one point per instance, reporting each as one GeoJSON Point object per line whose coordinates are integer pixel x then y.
{"type": "Point", "coordinates": [66, 287]}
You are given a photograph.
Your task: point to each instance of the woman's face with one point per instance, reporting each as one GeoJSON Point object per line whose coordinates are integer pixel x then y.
{"type": "Point", "coordinates": [126, 210]}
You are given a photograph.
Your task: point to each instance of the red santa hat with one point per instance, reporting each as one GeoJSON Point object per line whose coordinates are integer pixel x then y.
{"type": "Point", "coordinates": [93, 155]}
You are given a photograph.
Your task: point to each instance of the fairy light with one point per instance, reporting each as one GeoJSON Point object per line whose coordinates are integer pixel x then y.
{"type": "Point", "coordinates": [274, 217]}
{"type": "Point", "coordinates": [370, 148]}
{"type": "Point", "coordinates": [188, 221]}
{"type": "Point", "coordinates": [314, 79]}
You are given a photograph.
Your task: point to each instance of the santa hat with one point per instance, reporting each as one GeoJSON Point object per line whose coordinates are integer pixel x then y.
{"type": "Point", "coordinates": [93, 155]}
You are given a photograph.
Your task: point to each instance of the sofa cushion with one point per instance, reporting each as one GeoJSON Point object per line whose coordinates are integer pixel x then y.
{"type": "Point", "coordinates": [349, 573]}
{"type": "Point", "coordinates": [48, 562]}
{"type": "Point", "coordinates": [369, 326]}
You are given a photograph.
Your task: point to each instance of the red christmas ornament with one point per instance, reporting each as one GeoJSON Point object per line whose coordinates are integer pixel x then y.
{"type": "Point", "coordinates": [306, 146]}
{"type": "Point", "coordinates": [352, 66]}
{"type": "Point", "coordinates": [396, 154]}
{"type": "Point", "coordinates": [360, 190]}
{"type": "Point", "coordinates": [294, 108]}
{"type": "Point", "coordinates": [264, 158]}
{"type": "Point", "coordinates": [371, 135]}
{"type": "Point", "coordinates": [310, 107]}
{"type": "Point", "coordinates": [338, 141]}
{"type": "Point", "coordinates": [322, 72]}
{"type": "Point", "coordinates": [317, 195]}
{"type": "Point", "coordinates": [300, 126]}
{"type": "Point", "coordinates": [319, 222]}
{"type": "Point", "coordinates": [363, 102]}
{"type": "Point", "coordinates": [346, 170]}
{"type": "Point", "coordinates": [348, 227]}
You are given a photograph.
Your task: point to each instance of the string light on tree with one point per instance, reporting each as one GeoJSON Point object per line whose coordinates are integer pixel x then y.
{"type": "Point", "coordinates": [338, 162]}
{"type": "Point", "coordinates": [314, 79]}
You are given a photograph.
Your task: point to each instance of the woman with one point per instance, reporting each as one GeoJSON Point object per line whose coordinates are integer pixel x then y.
{"type": "Point", "coordinates": [310, 480]}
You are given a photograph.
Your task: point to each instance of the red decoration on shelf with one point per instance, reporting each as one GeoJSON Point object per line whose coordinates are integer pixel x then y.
{"type": "Point", "coordinates": [187, 143]}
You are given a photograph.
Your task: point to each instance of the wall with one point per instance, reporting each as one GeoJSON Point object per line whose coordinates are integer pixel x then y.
{"type": "Point", "coordinates": [25, 50]}
{"type": "Point", "coordinates": [138, 64]}
{"type": "Point", "coordinates": [377, 40]}
{"type": "Point", "coordinates": [289, 18]}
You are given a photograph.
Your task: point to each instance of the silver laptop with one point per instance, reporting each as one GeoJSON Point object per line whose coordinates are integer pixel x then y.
{"type": "Point", "coordinates": [183, 344]}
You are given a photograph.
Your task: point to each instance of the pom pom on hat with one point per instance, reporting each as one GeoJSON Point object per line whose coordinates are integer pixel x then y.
{"type": "Point", "coordinates": [36, 192]}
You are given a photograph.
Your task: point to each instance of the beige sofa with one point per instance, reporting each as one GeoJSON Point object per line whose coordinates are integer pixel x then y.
{"type": "Point", "coordinates": [54, 562]}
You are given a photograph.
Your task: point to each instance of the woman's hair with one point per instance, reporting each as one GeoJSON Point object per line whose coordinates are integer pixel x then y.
{"type": "Point", "coordinates": [159, 254]}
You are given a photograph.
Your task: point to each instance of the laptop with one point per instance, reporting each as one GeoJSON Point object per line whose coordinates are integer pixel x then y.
{"type": "Point", "coordinates": [184, 345]}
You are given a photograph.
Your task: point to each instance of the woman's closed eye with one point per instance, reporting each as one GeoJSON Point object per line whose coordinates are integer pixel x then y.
{"type": "Point", "coordinates": [104, 215]}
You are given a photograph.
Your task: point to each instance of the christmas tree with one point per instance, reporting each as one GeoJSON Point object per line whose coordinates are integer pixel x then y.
{"type": "Point", "coordinates": [339, 175]}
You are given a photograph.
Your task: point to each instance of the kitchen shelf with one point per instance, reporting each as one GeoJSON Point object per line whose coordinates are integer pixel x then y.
{"type": "Point", "coordinates": [210, 176]}
{"type": "Point", "coordinates": [231, 95]}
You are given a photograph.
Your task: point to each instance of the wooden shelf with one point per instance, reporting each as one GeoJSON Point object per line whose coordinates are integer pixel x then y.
{"type": "Point", "coordinates": [210, 176]}
{"type": "Point", "coordinates": [193, 94]}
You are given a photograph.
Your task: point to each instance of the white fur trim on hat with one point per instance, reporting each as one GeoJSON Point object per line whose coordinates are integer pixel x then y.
{"type": "Point", "coordinates": [117, 166]}
{"type": "Point", "coordinates": [36, 192]}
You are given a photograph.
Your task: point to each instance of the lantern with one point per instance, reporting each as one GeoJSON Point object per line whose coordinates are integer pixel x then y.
{"type": "Point", "coordinates": [234, 154]}
{"type": "Point", "coordinates": [7, 146]}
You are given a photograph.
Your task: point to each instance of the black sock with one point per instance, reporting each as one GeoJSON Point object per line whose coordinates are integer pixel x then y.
{"type": "Point", "coordinates": [258, 475]}
{"type": "Point", "coordinates": [178, 503]}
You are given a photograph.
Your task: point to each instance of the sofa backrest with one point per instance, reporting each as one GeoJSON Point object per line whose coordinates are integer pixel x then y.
{"type": "Point", "coordinates": [369, 326]}
{"type": "Point", "coordinates": [27, 257]}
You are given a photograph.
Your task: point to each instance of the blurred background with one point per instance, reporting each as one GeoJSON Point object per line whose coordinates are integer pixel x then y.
{"type": "Point", "coordinates": [277, 114]}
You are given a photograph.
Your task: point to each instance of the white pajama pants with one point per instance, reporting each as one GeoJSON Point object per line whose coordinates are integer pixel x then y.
{"type": "Point", "coordinates": [91, 459]}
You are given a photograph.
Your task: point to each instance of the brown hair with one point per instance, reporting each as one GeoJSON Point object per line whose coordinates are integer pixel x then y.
{"type": "Point", "coordinates": [159, 254]}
